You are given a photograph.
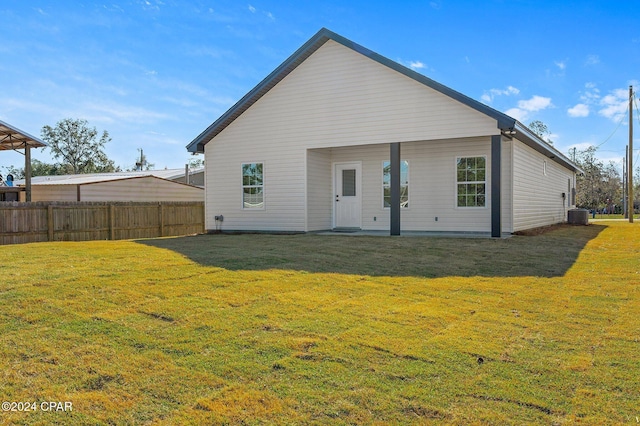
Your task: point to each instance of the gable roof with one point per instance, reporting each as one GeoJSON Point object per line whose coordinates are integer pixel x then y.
{"type": "Point", "coordinates": [508, 125]}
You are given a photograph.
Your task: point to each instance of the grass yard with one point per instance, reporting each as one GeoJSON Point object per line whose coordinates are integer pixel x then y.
{"type": "Point", "coordinates": [612, 216]}
{"type": "Point", "coordinates": [255, 329]}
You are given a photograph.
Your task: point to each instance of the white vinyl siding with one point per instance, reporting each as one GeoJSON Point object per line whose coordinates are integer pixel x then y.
{"type": "Point", "coordinates": [285, 188]}
{"type": "Point", "coordinates": [537, 197]}
{"type": "Point", "coordinates": [335, 98]}
{"type": "Point", "coordinates": [433, 175]}
{"type": "Point", "coordinates": [319, 189]}
{"type": "Point", "coordinates": [506, 181]}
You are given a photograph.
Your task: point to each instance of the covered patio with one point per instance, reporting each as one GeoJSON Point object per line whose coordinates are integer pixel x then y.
{"type": "Point", "coordinates": [15, 139]}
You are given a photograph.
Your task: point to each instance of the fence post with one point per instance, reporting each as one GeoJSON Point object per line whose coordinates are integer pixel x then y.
{"type": "Point", "coordinates": [161, 218]}
{"type": "Point", "coordinates": [112, 222]}
{"type": "Point", "coordinates": [50, 222]}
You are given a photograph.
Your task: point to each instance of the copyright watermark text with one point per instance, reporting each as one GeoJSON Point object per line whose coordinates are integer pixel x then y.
{"type": "Point", "coordinates": [50, 406]}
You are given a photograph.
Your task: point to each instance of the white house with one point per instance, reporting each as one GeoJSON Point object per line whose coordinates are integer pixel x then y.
{"type": "Point", "coordinates": [341, 137]}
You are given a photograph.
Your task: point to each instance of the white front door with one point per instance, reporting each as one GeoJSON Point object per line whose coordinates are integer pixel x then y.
{"type": "Point", "coordinates": [347, 195]}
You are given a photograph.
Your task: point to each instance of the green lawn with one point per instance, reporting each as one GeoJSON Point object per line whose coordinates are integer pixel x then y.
{"type": "Point", "coordinates": [255, 329]}
{"type": "Point", "coordinates": [612, 216]}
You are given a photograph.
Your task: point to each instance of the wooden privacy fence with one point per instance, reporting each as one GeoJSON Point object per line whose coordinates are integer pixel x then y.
{"type": "Point", "coordinates": [84, 221]}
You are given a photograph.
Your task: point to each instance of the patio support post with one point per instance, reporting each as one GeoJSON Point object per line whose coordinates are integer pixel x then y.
{"type": "Point", "coordinates": [496, 153]}
{"type": "Point", "coordinates": [27, 173]}
{"type": "Point", "coordinates": [395, 188]}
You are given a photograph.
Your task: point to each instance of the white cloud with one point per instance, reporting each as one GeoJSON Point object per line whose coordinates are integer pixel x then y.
{"type": "Point", "coordinates": [147, 5]}
{"type": "Point", "coordinates": [591, 95]}
{"type": "Point", "coordinates": [416, 65]}
{"type": "Point", "coordinates": [536, 103]}
{"type": "Point", "coordinates": [581, 146]}
{"type": "Point", "coordinates": [615, 104]}
{"type": "Point", "coordinates": [592, 60]}
{"type": "Point", "coordinates": [580, 110]}
{"type": "Point", "coordinates": [121, 113]}
{"type": "Point", "coordinates": [492, 93]}
{"type": "Point", "coordinates": [268, 14]}
{"type": "Point", "coordinates": [517, 113]}
{"type": "Point", "coordinates": [561, 64]}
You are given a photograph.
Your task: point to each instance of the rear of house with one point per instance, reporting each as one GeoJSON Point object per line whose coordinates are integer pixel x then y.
{"type": "Point", "coordinates": [310, 148]}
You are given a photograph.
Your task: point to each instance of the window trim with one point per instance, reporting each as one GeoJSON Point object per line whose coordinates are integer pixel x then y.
{"type": "Point", "coordinates": [408, 184]}
{"type": "Point", "coordinates": [485, 182]}
{"type": "Point", "coordinates": [243, 186]}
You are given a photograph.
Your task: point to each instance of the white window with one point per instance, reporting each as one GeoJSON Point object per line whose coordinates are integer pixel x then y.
{"type": "Point", "coordinates": [252, 185]}
{"type": "Point", "coordinates": [404, 184]}
{"type": "Point", "coordinates": [471, 181]}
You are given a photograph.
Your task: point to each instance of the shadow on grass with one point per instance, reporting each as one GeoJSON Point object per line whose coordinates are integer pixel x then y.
{"type": "Point", "coordinates": [549, 254]}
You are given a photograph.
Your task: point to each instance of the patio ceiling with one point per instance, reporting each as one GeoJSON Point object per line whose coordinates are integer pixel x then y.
{"type": "Point", "coordinates": [12, 138]}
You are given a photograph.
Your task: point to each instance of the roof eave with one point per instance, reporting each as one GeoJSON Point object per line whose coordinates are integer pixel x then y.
{"type": "Point", "coordinates": [525, 135]}
{"type": "Point", "coordinates": [306, 50]}
{"type": "Point", "coordinates": [504, 122]}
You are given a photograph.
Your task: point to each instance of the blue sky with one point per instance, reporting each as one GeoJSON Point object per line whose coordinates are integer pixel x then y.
{"type": "Point", "coordinates": [155, 73]}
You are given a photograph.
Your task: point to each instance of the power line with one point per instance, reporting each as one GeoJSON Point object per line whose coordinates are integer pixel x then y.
{"type": "Point", "coordinates": [635, 101]}
{"type": "Point", "coordinates": [622, 117]}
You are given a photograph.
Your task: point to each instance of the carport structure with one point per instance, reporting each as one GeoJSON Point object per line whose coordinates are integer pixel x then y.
{"type": "Point", "coordinates": [15, 139]}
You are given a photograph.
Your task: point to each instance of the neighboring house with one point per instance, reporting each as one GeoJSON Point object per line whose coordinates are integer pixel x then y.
{"type": "Point", "coordinates": [126, 186]}
{"type": "Point", "coordinates": [336, 131]}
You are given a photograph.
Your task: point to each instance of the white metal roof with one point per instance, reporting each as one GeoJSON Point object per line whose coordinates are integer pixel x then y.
{"type": "Point", "coordinates": [80, 179]}
{"type": "Point", "coordinates": [13, 138]}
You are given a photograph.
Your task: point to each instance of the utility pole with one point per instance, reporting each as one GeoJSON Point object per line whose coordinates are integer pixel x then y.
{"type": "Point", "coordinates": [140, 164]}
{"type": "Point", "coordinates": [630, 166]}
{"type": "Point", "coordinates": [624, 184]}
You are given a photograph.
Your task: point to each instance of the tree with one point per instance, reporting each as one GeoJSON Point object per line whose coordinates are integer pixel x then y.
{"type": "Point", "coordinates": [77, 148]}
{"type": "Point", "coordinates": [541, 129]}
{"type": "Point", "coordinates": [612, 188]}
{"type": "Point", "coordinates": [38, 168]}
{"type": "Point", "coordinates": [601, 185]}
{"type": "Point", "coordinates": [14, 171]}
{"type": "Point", "coordinates": [588, 185]}
{"type": "Point", "coordinates": [196, 163]}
